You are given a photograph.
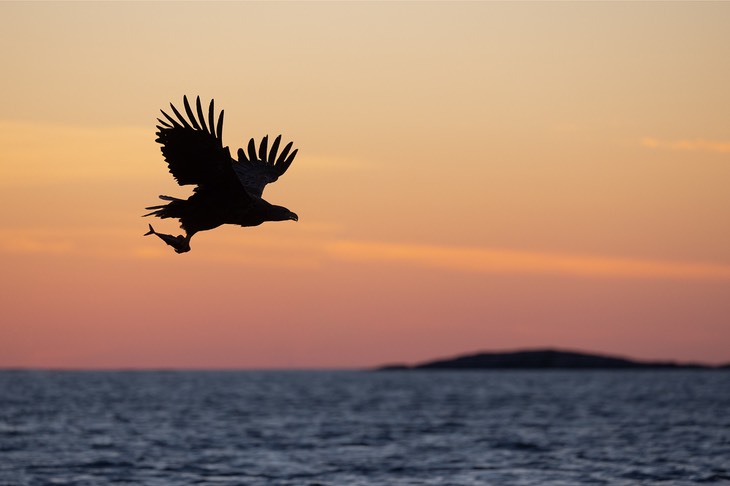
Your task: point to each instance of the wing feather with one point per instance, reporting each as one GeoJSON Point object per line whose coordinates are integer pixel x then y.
{"type": "Point", "coordinates": [194, 154]}
{"type": "Point", "coordinates": [285, 165]}
{"type": "Point", "coordinates": [242, 157]}
{"type": "Point", "coordinates": [191, 116]}
{"type": "Point", "coordinates": [171, 119]}
{"type": "Point", "coordinates": [284, 152]}
{"type": "Point", "coordinates": [263, 147]}
{"type": "Point", "coordinates": [211, 116]}
{"type": "Point", "coordinates": [180, 117]}
{"type": "Point", "coordinates": [201, 116]}
{"type": "Point", "coordinates": [262, 168]}
{"type": "Point", "coordinates": [220, 126]}
{"type": "Point", "coordinates": [252, 150]}
{"type": "Point", "coordinates": [275, 148]}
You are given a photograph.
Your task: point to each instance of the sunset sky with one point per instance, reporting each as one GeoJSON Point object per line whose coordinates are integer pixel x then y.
{"type": "Point", "coordinates": [471, 176]}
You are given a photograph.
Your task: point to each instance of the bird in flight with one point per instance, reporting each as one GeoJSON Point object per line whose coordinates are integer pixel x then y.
{"type": "Point", "coordinates": [228, 191]}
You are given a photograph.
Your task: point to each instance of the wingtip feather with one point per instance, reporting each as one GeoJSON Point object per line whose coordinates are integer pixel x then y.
{"type": "Point", "coordinates": [274, 149]}
{"type": "Point", "coordinates": [263, 146]}
{"type": "Point", "coordinates": [211, 115]}
{"type": "Point", "coordinates": [171, 119]}
{"type": "Point", "coordinates": [242, 156]}
{"type": "Point", "coordinates": [182, 118]}
{"type": "Point", "coordinates": [190, 113]}
{"type": "Point", "coordinates": [284, 153]}
{"type": "Point", "coordinates": [252, 150]}
{"type": "Point", "coordinates": [201, 116]}
{"type": "Point", "coordinates": [220, 128]}
{"type": "Point", "coordinates": [283, 166]}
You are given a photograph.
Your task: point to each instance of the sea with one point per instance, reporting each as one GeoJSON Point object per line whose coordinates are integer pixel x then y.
{"type": "Point", "coordinates": [363, 428]}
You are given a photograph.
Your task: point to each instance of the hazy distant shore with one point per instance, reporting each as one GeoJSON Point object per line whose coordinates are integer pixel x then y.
{"type": "Point", "coordinates": [545, 359]}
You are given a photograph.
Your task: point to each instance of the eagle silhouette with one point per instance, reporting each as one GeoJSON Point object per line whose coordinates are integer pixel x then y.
{"type": "Point", "coordinates": [228, 191]}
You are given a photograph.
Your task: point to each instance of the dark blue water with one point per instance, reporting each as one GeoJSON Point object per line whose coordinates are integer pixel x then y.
{"type": "Point", "coordinates": [364, 428]}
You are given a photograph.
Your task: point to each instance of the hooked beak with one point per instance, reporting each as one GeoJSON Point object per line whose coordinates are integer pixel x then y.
{"type": "Point", "coordinates": [294, 217]}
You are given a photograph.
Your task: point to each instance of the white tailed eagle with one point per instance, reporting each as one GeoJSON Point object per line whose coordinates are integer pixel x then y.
{"type": "Point", "coordinates": [228, 191]}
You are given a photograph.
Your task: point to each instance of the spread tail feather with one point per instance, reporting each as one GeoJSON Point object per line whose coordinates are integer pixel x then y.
{"type": "Point", "coordinates": [171, 210]}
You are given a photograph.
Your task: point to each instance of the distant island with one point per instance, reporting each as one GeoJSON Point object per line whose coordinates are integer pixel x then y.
{"type": "Point", "coordinates": [543, 359]}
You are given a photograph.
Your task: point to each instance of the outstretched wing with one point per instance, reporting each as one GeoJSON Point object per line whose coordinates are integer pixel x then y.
{"type": "Point", "coordinates": [194, 150]}
{"type": "Point", "coordinates": [262, 167]}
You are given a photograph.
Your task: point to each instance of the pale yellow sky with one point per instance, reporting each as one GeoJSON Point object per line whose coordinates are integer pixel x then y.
{"type": "Point", "coordinates": [542, 140]}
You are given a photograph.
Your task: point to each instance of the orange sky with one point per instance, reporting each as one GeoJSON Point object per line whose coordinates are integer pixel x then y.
{"type": "Point", "coordinates": [471, 176]}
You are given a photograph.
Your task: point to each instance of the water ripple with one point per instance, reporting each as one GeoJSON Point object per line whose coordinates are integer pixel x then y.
{"type": "Point", "coordinates": [364, 429]}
